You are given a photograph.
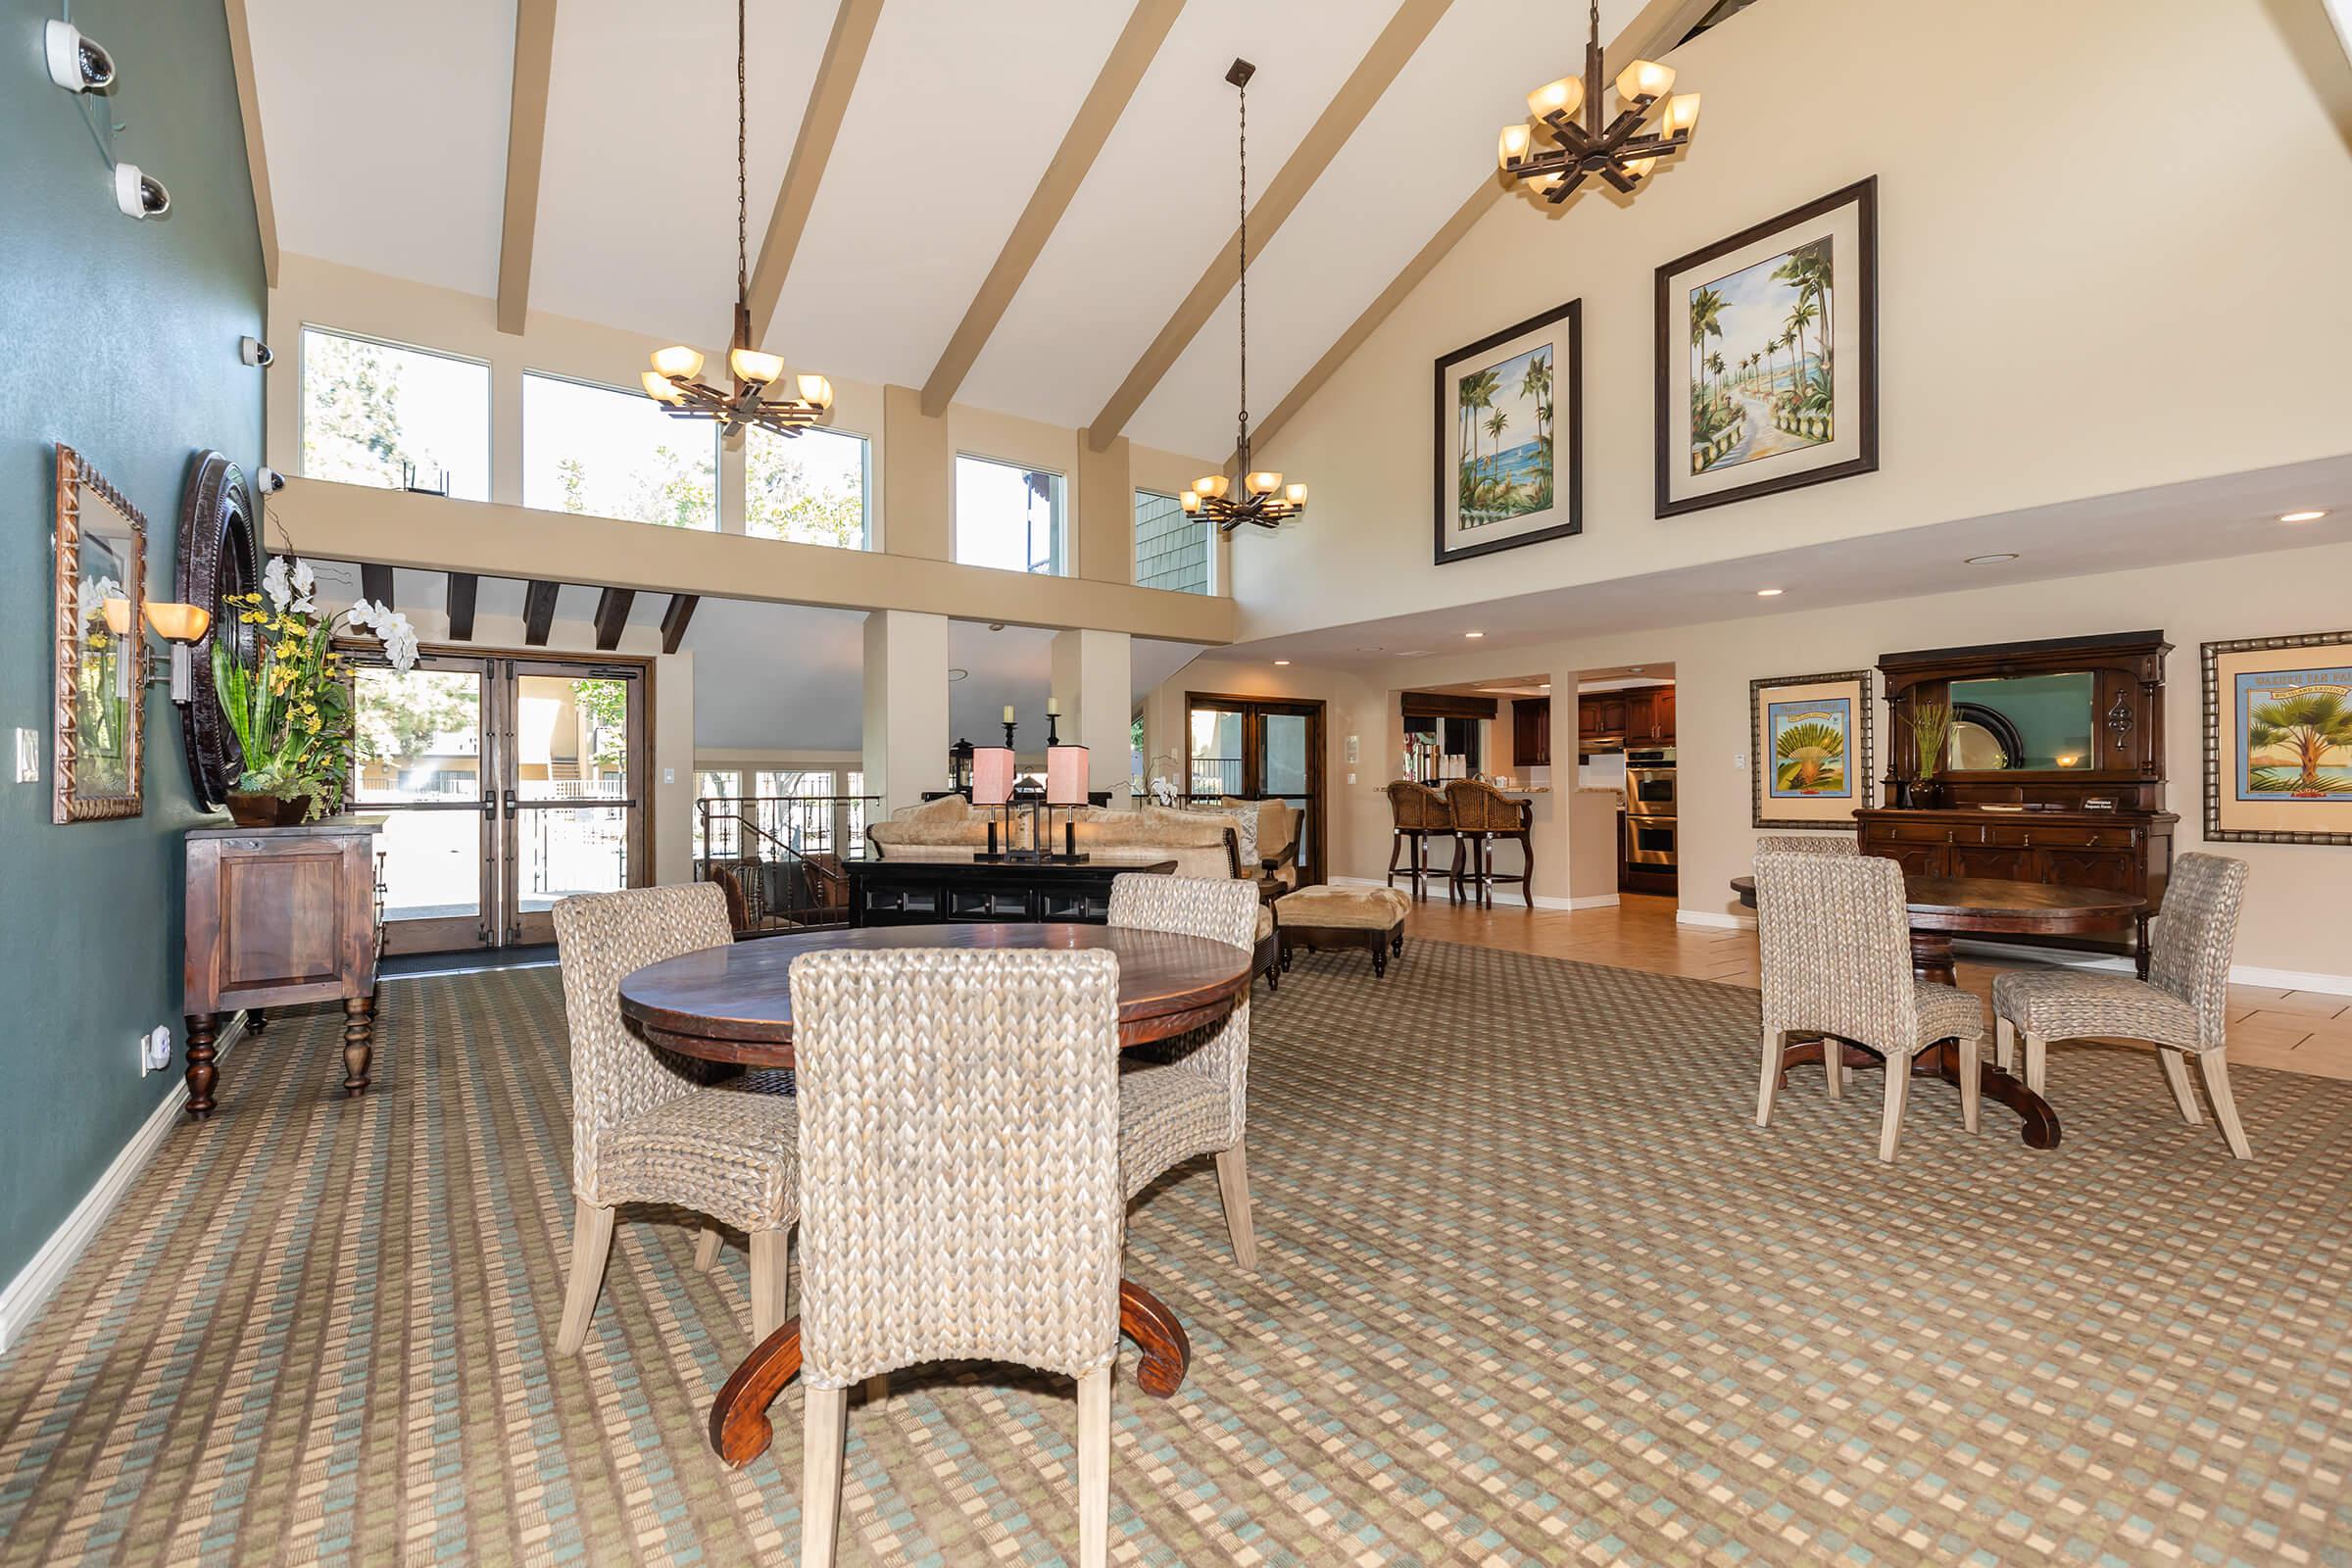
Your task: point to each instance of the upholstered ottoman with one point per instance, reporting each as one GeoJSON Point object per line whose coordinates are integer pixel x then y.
{"type": "Point", "coordinates": [1324, 918]}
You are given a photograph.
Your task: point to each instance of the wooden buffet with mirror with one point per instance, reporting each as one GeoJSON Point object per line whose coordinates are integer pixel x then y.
{"type": "Point", "coordinates": [2051, 768]}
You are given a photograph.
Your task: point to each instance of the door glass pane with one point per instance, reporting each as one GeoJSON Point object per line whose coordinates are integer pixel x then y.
{"type": "Point", "coordinates": [563, 849]}
{"type": "Point", "coordinates": [1216, 753]}
{"type": "Point", "coordinates": [572, 738]}
{"type": "Point", "coordinates": [417, 735]}
{"type": "Point", "coordinates": [1283, 767]}
{"type": "Point", "coordinates": [432, 864]}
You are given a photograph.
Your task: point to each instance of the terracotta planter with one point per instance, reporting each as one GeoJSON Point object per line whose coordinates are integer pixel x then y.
{"type": "Point", "coordinates": [252, 809]}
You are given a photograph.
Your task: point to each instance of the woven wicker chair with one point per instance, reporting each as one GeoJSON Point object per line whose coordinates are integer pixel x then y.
{"type": "Point", "coordinates": [995, 1228]}
{"type": "Point", "coordinates": [645, 1127]}
{"type": "Point", "coordinates": [1837, 951]}
{"type": "Point", "coordinates": [2182, 1008]}
{"type": "Point", "coordinates": [1483, 813]}
{"type": "Point", "coordinates": [1197, 1103]}
{"type": "Point", "coordinates": [1808, 844]}
{"type": "Point", "coordinates": [1418, 814]}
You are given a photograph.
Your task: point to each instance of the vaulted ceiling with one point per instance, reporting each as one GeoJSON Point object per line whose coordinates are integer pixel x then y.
{"type": "Point", "coordinates": [388, 137]}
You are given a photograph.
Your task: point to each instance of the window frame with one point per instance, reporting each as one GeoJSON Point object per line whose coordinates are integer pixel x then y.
{"type": "Point", "coordinates": [1209, 543]}
{"type": "Point", "coordinates": [522, 445]}
{"type": "Point", "coordinates": [866, 488]}
{"type": "Point", "coordinates": [1064, 563]}
{"type": "Point", "coordinates": [302, 397]}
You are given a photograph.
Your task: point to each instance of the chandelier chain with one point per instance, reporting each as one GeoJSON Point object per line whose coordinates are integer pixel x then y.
{"type": "Point", "coordinates": [743, 284]}
{"type": "Point", "coordinates": [1244, 441]}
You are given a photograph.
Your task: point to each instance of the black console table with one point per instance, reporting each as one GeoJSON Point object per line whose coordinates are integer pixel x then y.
{"type": "Point", "coordinates": [930, 891]}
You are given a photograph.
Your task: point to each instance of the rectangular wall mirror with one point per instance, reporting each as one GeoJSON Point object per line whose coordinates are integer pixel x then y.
{"type": "Point", "coordinates": [101, 685]}
{"type": "Point", "coordinates": [2033, 724]}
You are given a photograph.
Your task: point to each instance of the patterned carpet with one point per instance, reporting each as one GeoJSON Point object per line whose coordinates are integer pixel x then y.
{"type": "Point", "coordinates": [1533, 1288]}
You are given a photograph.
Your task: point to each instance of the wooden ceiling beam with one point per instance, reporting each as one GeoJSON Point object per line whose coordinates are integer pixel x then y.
{"type": "Point", "coordinates": [820, 123]}
{"type": "Point", "coordinates": [257, 162]}
{"type": "Point", "coordinates": [375, 583]}
{"type": "Point", "coordinates": [1315, 150]}
{"type": "Point", "coordinates": [1114, 87]}
{"type": "Point", "coordinates": [1656, 31]}
{"type": "Point", "coordinates": [674, 619]}
{"type": "Point", "coordinates": [538, 613]}
{"type": "Point", "coordinates": [526, 140]}
{"type": "Point", "coordinates": [613, 608]}
{"type": "Point", "coordinates": [462, 587]}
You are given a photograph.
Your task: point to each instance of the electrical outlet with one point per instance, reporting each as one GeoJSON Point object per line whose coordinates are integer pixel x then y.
{"type": "Point", "coordinates": [154, 1050]}
{"type": "Point", "coordinates": [1351, 778]}
{"type": "Point", "coordinates": [1353, 755]}
{"type": "Point", "coordinates": [28, 757]}
{"type": "Point", "coordinates": [670, 775]}
{"type": "Point", "coordinates": [1738, 761]}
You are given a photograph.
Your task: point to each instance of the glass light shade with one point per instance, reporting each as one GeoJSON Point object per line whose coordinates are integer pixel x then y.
{"type": "Point", "coordinates": [1264, 482]}
{"type": "Point", "coordinates": [659, 388]}
{"type": "Point", "coordinates": [1189, 501]}
{"type": "Point", "coordinates": [816, 391]}
{"type": "Point", "coordinates": [1635, 167]}
{"type": "Point", "coordinates": [179, 623]}
{"type": "Point", "coordinates": [1296, 495]}
{"type": "Point", "coordinates": [992, 775]}
{"type": "Point", "coordinates": [1065, 775]}
{"type": "Point", "coordinates": [678, 360]}
{"type": "Point", "coordinates": [118, 617]}
{"type": "Point", "coordinates": [1561, 97]}
{"type": "Point", "coordinates": [750, 365]}
{"type": "Point", "coordinates": [1543, 184]}
{"type": "Point", "coordinates": [1682, 112]}
{"type": "Point", "coordinates": [1644, 78]}
{"type": "Point", "coordinates": [1212, 486]}
{"type": "Point", "coordinates": [1513, 146]}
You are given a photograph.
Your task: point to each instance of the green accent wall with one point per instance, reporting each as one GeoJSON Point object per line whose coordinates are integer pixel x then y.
{"type": "Point", "coordinates": [120, 340]}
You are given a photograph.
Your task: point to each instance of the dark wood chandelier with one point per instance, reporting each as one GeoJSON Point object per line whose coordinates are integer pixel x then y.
{"type": "Point", "coordinates": [1264, 499]}
{"type": "Point", "coordinates": [672, 381]}
{"type": "Point", "coordinates": [1618, 150]}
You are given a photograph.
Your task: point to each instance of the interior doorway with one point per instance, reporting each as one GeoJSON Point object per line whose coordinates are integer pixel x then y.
{"type": "Point", "coordinates": [1259, 749]}
{"type": "Point", "coordinates": [507, 783]}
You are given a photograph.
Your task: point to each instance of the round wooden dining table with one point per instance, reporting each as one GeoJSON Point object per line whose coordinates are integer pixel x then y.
{"type": "Point", "coordinates": [1938, 908]}
{"type": "Point", "coordinates": [734, 1004]}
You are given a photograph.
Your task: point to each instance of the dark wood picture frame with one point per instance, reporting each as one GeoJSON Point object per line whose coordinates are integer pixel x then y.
{"type": "Point", "coordinates": [1569, 432]}
{"type": "Point", "coordinates": [75, 480]}
{"type": "Point", "coordinates": [1863, 195]}
{"type": "Point", "coordinates": [2209, 660]}
{"type": "Point", "coordinates": [1858, 761]}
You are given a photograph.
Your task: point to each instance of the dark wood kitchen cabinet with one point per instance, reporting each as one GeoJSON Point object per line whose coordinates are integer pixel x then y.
{"type": "Point", "coordinates": [1638, 716]}
{"type": "Point", "coordinates": [1531, 732]}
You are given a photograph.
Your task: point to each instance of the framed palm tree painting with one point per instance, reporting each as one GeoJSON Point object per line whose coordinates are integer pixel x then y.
{"type": "Point", "coordinates": [1768, 356]}
{"type": "Point", "coordinates": [2278, 740]}
{"type": "Point", "coordinates": [1808, 739]}
{"type": "Point", "coordinates": [1510, 438]}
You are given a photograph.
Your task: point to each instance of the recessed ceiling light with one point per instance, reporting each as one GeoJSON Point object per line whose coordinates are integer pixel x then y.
{"type": "Point", "coordinates": [1993, 560]}
{"type": "Point", "coordinates": [1635, 669]}
{"type": "Point", "coordinates": [1282, 661]}
{"type": "Point", "coordinates": [1474, 634]}
{"type": "Point", "coordinates": [1547, 686]}
{"type": "Point", "coordinates": [2301, 516]}
{"type": "Point", "coordinates": [958, 674]}
{"type": "Point", "coordinates": [1769, 593]}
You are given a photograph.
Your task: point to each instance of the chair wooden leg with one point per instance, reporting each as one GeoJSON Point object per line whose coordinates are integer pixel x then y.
{"type": "Point", "coordinates": [1890, 1121]}
{"type": "Point", "coordinates": [1233, 1186]}
{"type": "Point", "coordinates": [772, 1255]}
{"type": "Point", "coordinates": [1832, 1066]}
{"type": "Point", "coordinates": [2004, 1044]}
{"type": "Point", "coordinates": [1772, 1076]}
{"type": "Point", "coordinates": [877, 1387]}
{"type": "Point", "coordinates": [1397, 840]}
{"type": "Point", "coordinates": [1453, 878]}
{"type": "Point", "coordinates": [2038, 1061]}
{"type": "Point", "coordinates": [2176, 1075]}
{"type": "Point", "coordinates": [1972, 1079]}
{"type": "Point", "coordinates": [824, 1430]}
{"type": "Point", "coordinates": [591, 1240]}
{"type": "Point", "coordinates": [2225, 1108]}
{"type": "Point", "coordinates": [1093, 1468]}
{"type": "Point", "coordinates": [706, 1250]}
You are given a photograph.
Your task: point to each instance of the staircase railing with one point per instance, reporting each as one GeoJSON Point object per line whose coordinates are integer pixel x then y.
{"type": "Point", "coordinates": [772, 882]}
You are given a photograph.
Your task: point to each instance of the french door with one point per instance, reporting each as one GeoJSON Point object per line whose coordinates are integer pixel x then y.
{"type": "Point", "coordinates": [1260, 749]}
{"type": "Point", "coordinates": [505, 784]}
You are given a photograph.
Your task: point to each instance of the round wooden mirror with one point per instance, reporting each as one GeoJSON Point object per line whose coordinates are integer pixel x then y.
{"type": "Point", "coordinates": [219, 556]}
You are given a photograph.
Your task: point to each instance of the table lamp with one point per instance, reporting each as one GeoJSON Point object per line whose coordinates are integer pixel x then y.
{"type": "Point", "coordinates": [1066, 785]}
{"type": "Point", "coordinates": [992, 786]}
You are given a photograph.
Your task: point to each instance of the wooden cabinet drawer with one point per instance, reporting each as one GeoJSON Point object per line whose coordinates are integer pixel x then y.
{"type": "Point", "coordinates": [2033, 835]}
{"type": "Point", "coordinates": [1912, 833]}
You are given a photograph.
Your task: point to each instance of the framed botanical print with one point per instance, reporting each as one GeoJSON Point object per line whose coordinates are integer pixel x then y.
{"type": "Point", "coordinates": [2278, 740]}
{"type": "Point", "coordinates": [1510, 438]}
{"type": "Point", "coordinates": [1768, 356]}
{"type": "Point", "coordinates": [1808, 743]}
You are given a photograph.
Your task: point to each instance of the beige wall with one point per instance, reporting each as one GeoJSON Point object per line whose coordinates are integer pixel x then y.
{"type": "Point", "coordinates": [2295, 917]}
{"type": "Point", "coordinates": [911, 504]}
{"type": "Point", "coordinates": [2084, 289]}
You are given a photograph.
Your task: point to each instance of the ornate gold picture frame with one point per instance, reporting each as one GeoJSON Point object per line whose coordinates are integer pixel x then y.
{"type": "Point", "coordinates": [99, 730]}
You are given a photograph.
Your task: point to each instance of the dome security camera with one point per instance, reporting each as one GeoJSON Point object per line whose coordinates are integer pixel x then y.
{"type": "Point", "coordinates": [253, 351]}
{"type": "Point", "coordinates": [75, 63]}
{"type": "Point", "coordinates": [271, 480]}
{"type": "Point", "coordinates": [140, 196]}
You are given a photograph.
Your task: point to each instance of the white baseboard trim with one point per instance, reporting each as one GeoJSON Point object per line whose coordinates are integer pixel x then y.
{"type": "Point", "coordinates": [21, 1302]}
{"type": "Point", "coordinates": [1593, 900]}
{"type": "Point", "coordinates": [2334, 985]}
{"type": "Point", "coordinates": [1714, 920]}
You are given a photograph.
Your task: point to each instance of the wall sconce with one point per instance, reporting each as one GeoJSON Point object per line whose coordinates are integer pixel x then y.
{"type": "Point", "coordinates": [75, 63]}
{"type": "Point", "coordinates": [181, 626]}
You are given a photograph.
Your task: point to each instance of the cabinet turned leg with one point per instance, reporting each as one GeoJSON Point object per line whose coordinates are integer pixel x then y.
{"type": "Point", "coordinates": [203, 1029]}
{"type": "Point", "coordinates": [359, 1035]}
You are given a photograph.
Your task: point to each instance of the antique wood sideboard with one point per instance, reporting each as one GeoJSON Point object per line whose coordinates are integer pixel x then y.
{"type": "Point", "coordinates": [278, 916]}
{"type": "Point", "coordinates": [2092, 817]}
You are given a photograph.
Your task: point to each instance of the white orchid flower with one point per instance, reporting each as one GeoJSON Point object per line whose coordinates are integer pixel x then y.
{"type": "Point", "coordinates": [275, 586]}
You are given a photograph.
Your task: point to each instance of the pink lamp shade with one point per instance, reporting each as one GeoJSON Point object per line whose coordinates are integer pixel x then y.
{"type": "Point", "coordinates": [992, 775]}
{"type": "Point", "coordinates": [1065, 775]}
